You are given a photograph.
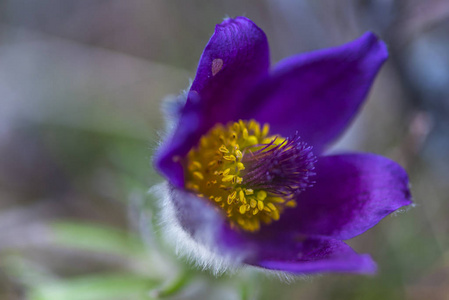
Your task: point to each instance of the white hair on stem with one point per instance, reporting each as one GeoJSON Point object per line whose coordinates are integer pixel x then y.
{"type": "Point", "coordinates": [197, 249]}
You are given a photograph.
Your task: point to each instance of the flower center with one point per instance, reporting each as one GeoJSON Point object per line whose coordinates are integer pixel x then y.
{"type": "Point", "coordinates": [250, 175]}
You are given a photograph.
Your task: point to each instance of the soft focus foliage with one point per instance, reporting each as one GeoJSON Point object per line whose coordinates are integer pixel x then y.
{"type": "Point", "coordinates": [81, 85]}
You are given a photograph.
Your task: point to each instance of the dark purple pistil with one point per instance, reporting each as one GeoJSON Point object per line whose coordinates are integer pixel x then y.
{"type": "Point", "coordinates": [283, 169]}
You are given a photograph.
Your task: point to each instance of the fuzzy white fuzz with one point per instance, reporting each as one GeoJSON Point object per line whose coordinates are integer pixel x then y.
{"type": "Point", "coordinates": [198, 249]}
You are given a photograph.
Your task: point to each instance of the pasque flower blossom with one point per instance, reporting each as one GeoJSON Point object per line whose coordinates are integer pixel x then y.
{"type": "Point", "coordinates": [248, 181]}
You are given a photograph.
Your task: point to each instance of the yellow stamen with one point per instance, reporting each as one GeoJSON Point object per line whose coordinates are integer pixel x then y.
{"type": "Point", "coordinates": [230, 157]}
{"type": "Point", "coordinates": [242, 196]}
{"type": "Point", "coordinates": [249, 192]}
{"type": "Point", "coordinates": [253, 203]}
{"type": "Point", "coordinates": [223, 149]}
{"type": "Point", "coordinates": [271, 206]}
{"type": "Point", "coordinates": [252, 140]}
{"type": "Point", "coordinates": [228, 178]}
{"type": "Point", "coordinates": [198, 175]}
{"type": "Point", "coordinates": [245, 134]}
{"type": "Point", "coordinates": [215, 170]}
{"type": "Point", "coordinates": [261, 195]}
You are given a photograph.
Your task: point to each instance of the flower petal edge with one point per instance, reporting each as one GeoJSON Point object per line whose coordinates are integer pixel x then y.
{"type": "Point", "coordinates": [317, 94]}
{"type": "Point", "coordinates": [234, 60]}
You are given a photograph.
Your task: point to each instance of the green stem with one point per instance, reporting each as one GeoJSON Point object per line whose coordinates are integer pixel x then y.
{"type": "Point", "coordinates": [175, 286]}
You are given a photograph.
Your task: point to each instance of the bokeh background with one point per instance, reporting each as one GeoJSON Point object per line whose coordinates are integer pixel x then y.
{"type": "Point", "coordinates": [80, 89]}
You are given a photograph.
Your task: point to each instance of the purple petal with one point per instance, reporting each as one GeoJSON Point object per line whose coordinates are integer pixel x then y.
{"type": "Point", "coordinates": [318, 93]}
{"type": "Point", "coordinates": [312, 255]}
{"type": "Point", "coordinates": [205, 224]}
{"type": "Point", "coordinates": [234, 60]}
{"type": "Point", "coordinates": [284, 251]}
{"type": "Point", "coordinates": [352, 193]}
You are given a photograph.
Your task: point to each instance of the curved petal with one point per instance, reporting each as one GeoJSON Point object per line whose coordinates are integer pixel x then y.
{"type": "Point", "coordinates": [206, 237]}
{"type": "Point", "coordinates": [202, 228]}
{"type": "Point", "coordinates": [234, 60]}
{"type": "Point", "coordinates": [312, 255]}
{"type": "Point", "coordinates": [318, 93]}
{"type": "Point", "coordinates": [352, 193]}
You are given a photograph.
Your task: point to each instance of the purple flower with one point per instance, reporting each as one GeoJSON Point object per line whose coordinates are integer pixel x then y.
{"type": "Point", "coordinates": [247, 181]}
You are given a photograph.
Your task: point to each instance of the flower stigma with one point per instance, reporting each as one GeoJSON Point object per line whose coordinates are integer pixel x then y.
{"type": "Point", "coordinates": [250, 175]}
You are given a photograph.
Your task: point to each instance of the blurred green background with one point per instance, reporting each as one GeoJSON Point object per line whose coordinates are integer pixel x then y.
{"type": "Point", "coordinates": [80, 89]}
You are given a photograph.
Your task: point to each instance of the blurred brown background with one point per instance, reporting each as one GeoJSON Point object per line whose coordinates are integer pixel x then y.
{"type": "Point", "coordinates": [80, 89]}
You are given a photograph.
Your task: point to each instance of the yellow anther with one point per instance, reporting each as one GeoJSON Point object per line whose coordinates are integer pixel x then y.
{"type": "Point", "coordinates": [253, 203]}
{"type": "Point", "coordinates": [252, 124]}
{"type": "Point", "coordinates": [212, 163]}
{"type": "Point", "coordinates": [194, 165]}
{"type": "Point", "coordinates": [198, 175]}
{"type": "Point", "coordinates": [266, 129]}
{"type": "Point", "coordinates": [277, 199]}
{"type": "Point", "coordinates": [278, 141]}
{"type": "Point", "coordinates": [275, 215]}
{"type": "Point", "coordinates": [260, 205]}
{"type": "Point", "coordinates": [291, 203]}
{"type": "Point", "coordinates": [223, 149]}
{"type": "Point", "coordinates": [218, 199]}
{"type": "Point", "coordinates": [267, 140]}
{"type": "Point", "coordinates": [252, 140]}
{"type": "Point", "coordinates": [242, 209]}
{"type": "Point", "coordinates": [226, 172]}
{"type": "Point", "coordinates": [255, 211]}
{"type": "Point", "coordinates": [238, 154]}
{"type": "Point", "coordinates": [229, 157]}
{"type": "Point", "coordinates": [261, 195]}
{"type": "Point", "coordinates": [240, 166]}
{"type": "Point", "coordinates": [242, 196]}
{"type": "Point", "coordinates": [249, 191]}
{"type": "Point", "coordinates": [271, 206]}
{"type": "Point", "coordinates": [245, 133]}
{"type": "Point", "coordinates": [192, 186]}
{"type": "Point", "coordinates": [230, 200]}
{"type": "Point", "coordinates": [256, 129]}
{"type": "Point", "coordinates": [227, 178]}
